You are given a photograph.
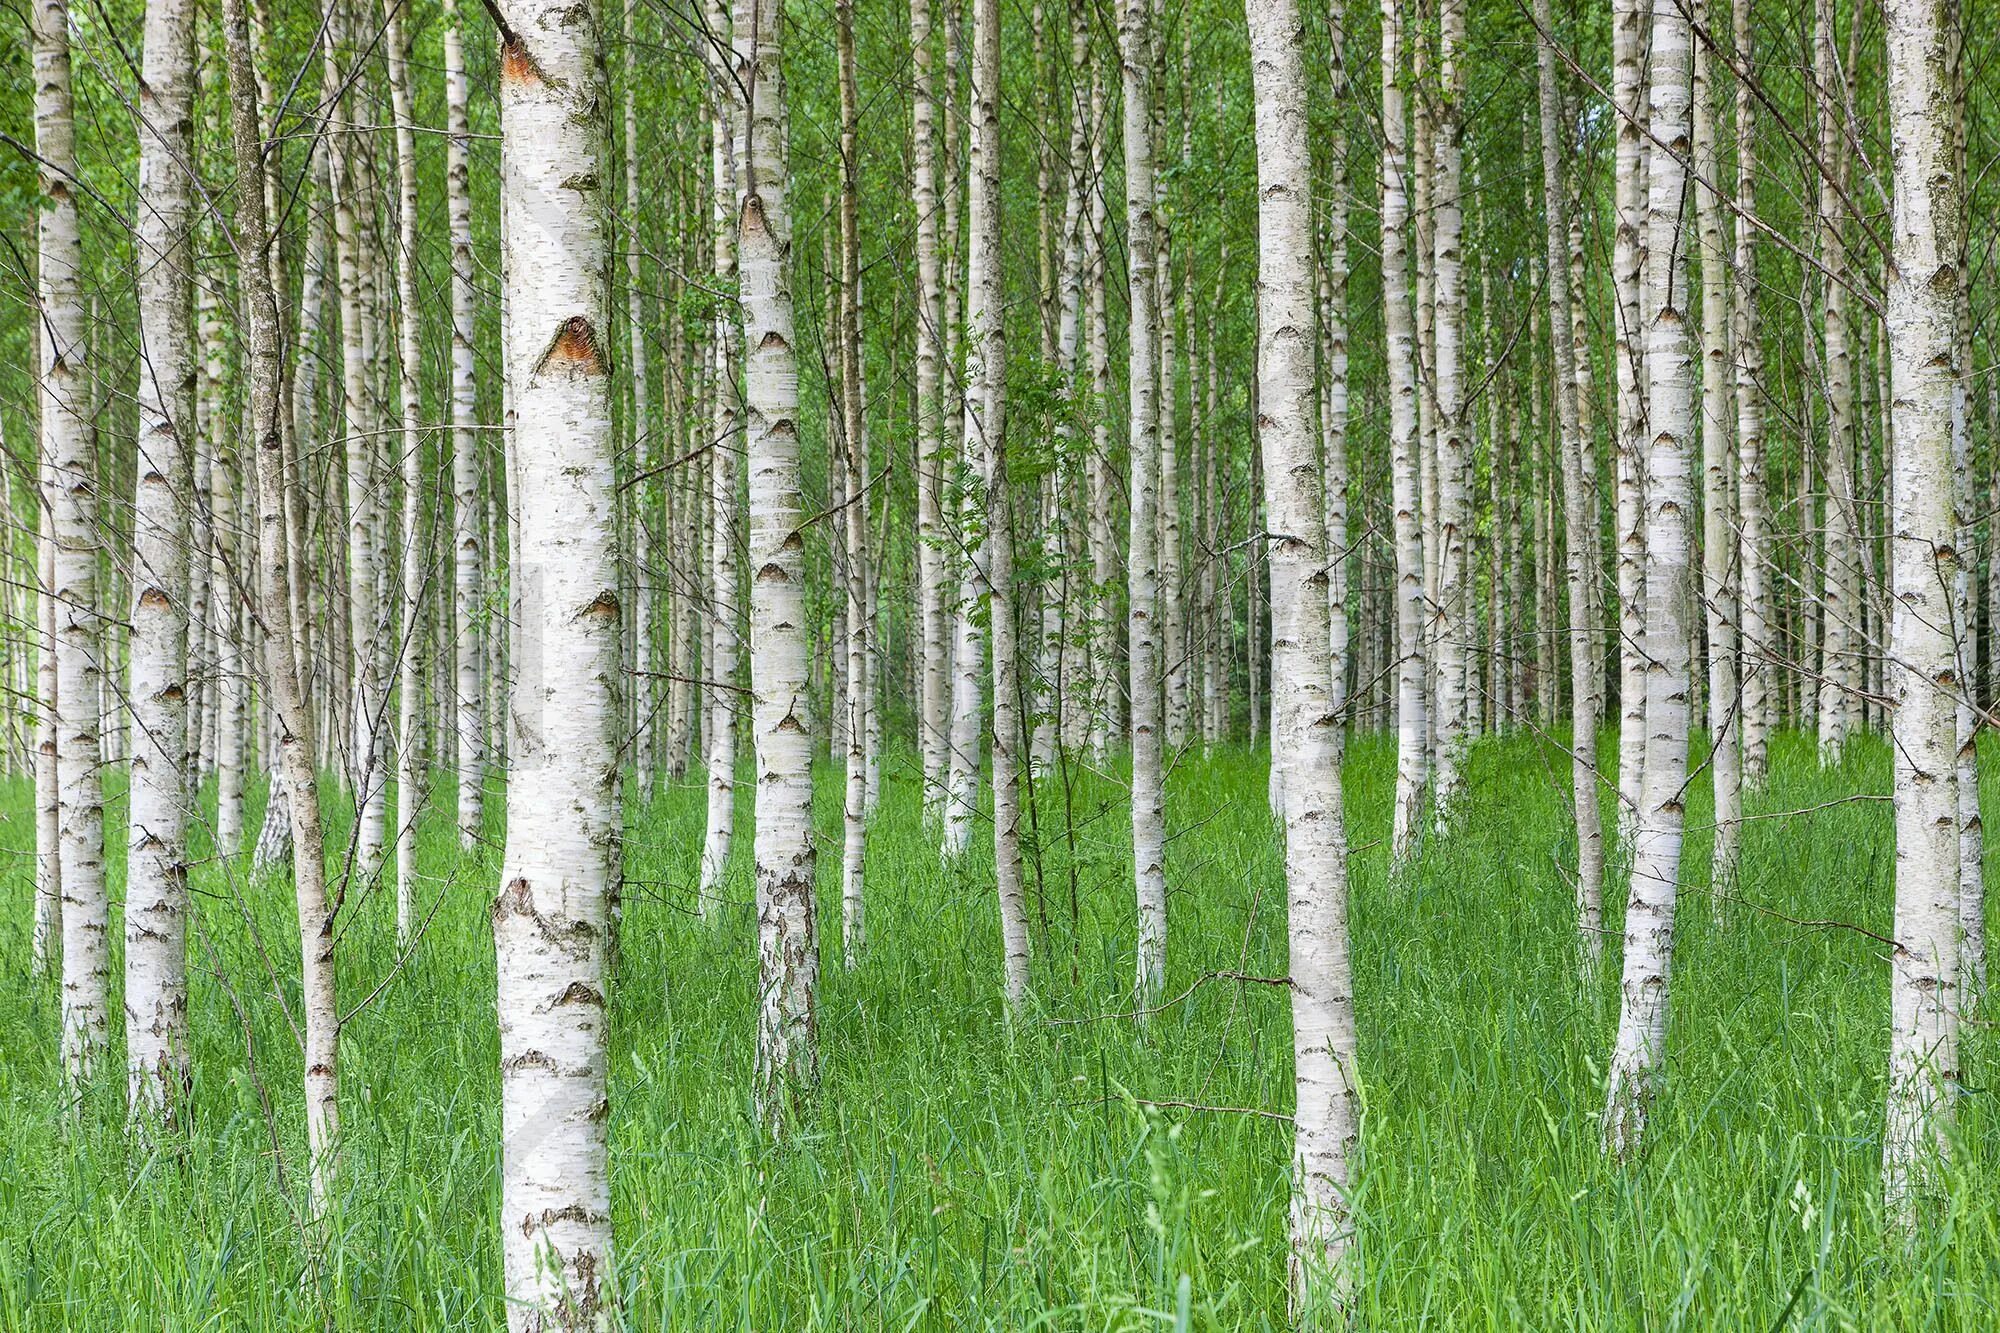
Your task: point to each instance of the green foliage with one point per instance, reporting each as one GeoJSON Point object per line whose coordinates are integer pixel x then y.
{"type": "Point", "coordinates": [959, 1172]}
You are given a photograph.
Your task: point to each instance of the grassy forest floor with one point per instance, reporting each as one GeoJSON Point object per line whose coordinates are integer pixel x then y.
{"type": "Point", "coordinates": [961, 1173]}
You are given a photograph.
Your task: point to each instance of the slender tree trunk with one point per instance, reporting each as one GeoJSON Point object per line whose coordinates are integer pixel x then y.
{"type": "Point", "coordinates": [1965, 500]}
{"type": "Point", "coordinates": [281, 649]}
{"type": "Point", "coordinates": [227, 610]}
{"type": "Point", "coordinates": [367, 773]}
{"type": "Point", "coordinates": [1578, 514]}
{"type": "Point", "coordinates": [1656, 849]}
{"type": "Point", "coordinates": [854, 515]}
{"type": "Point", "coordinates": [47, 943]}
{"type": "Point", "coordinates": [1327, 1122]}
{"type": "Point", "coordinates": [468, 517]}
{"type": "Point", "coordinates": [156, 892]}
{"type": "Point", "coordinates": [409, 659]}
{"type": "Point", "coordinates": [1135, 39]}
{"type": "Point", "coordinates": [1454, 440]}
{"type": "Point", "coordinates": [1102, 482]}
{"type": "Point", "coordinates": [1333, 275]}
{"type": "Point", "coordinates": [1628, 354]}
{"type": "Point", "coordinates": [71, 502]}
{"type": "Point", "coordinates": [985, 438]}
{"type": "Point", "coordinates": [1411, 728]}
{"type": "Point", "coordinates": [725, 484]}
{"type": "Point", "coordinates": [781, 723]}
{"type": "Point", "coordinates": [1718, 450]}
{"type": "Point", "coordinates": [1069, 651]}
{"type": "Point", "coordinates": [1840, 586]}
{"type": "Point", "coordinates": [1923, 300]}
{"type": "Point", "coordinates": [552, 920]}
{"type": "Point", "coordinates": [935, 677]}
{"type": "Point", "coordinates": [1754, 553]}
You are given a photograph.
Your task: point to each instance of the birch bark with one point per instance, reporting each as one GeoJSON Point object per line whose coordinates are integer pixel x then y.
{"type": "Point", "coordinates": [467, 513]}
{"type": "Point", "coordinates": [1718, 454]}
{"type": "Point", "coordinates": [71, 502]}
{"type": "Point", "coordinates": [1327, 1119]}
{"type": "Point", "coordinates": [1628, 355]}
{"type": "Point", "coordinates": [1135, 38]}
{"type": "Point", "coordinates": [552, 919]}
{"type": "Point", "coordinates": [1578, 514]}
{"type": "Point", "coordinates": [1754, 552]}
{"type": "Point", "coordinates": [156, 894]}
{"type": "Point", "coordinates": [285, 689]}
{"type": "Point", "coordinates": [781, 702]}
{"type": "Point", "coordinates": [1411, 728]}
{"type": "Point", "coordinates": [1656, 850]}
{"type": "Point", "coordinates": [410, 783]}
{"type": "Point", "coordinates": [725, 479]}
{"type": "Point", "coordinates": [1923, 298]}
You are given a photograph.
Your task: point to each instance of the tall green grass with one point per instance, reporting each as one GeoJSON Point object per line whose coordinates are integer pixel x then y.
{"type": "Point", "coordinates": [962, 1172]}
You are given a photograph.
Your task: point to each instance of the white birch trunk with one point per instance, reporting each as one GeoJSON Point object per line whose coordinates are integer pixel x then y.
{"type": "Point", "coordinates": [468, 515]}
{"type": "Point", "coordinates": [781, 702]}
{"type": "Point", "coordinates": [1454, 442]}
{"type": "Point", "coordinates": [409, 358]}
{"type": "Point", "coordinates": [1754, 555]}
{"type": "Point", "coordinates": [1628, 355]}
{"type": "Point", "coordinates": [366, 761]}
{"type": "Point", "coordinates": [552, 920]}
{"type": "Point", "coordinates": [1923, 300]}
{"type": "Point", "coordinates": [1656, 850]}
{"type": "Point", "coordinates": [156, 893]}
{"type": "Point", "coordinates": [1718, 455]}
{"type": "Point", "coordinates": [1579, 515]}
{"type": "Point", "coordinates": [71, 501]}
{"type": "Point", "coordinates": [1135, 39]}
{"type": "Point", "coordinates": [47, 943]}
{"type": "Point", "coordinates": [854, 514]}
{"type": "Point", "coordinates": [1333, 274]}
{"type": "Point", "coordinates": [1102, 483]}
{"type": "Point", "coordinates": [1411, 728]}
{"type": "Point", "coordinates": [321, 1032]}
{"type": "Point", "coordinates": [934, 677]}
{"type": "Point", "coordinates": [1327, 1118]}
{"type": "Point", "coordinates": [985, 422]}
{"type": "Point", "coordinates": [1840, 583]}
{"type": "Point", "coordinates": [725, 483]}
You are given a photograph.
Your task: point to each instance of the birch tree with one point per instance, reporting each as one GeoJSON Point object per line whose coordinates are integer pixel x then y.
{"type": "Point", "coordinates": [1327, 1119]}
{"type": "Point", "coordinates": [410, 781]}
{"type": "Point", "coordinates": [71, 503]}
{"type": "Point", "coordinates": [854, 515]}
{"type": "Point", "coordinates": [934, 672]}
{"type": "Point", "coordinates": [1753, 547]}
{"type": "Point", "coordinates": [1628, 44]}
{"type": "Point", "coordinates": [1400, 333]}
{"type": "Point", "coordinates": [986, 420]}
{"type": "Point", "coordinates": [1149, 835]}
{"type": "Point", "coordinates": [1718, 461]}
{"type": "Point", "coordinates": [281, 666]}
{"type": "Point", "coordinates": [467, 515]}
{"type": "Point", "coordinates": [725, 476]}
{"type": "Point", "coordinates": [156, 891]}
{"type": "Point", "coordinates": [781, 700]}
{"type": "Point", "coordinates": [1840, 580]}
{"type": "Point", "coordinates": [1453, 442]}
{"type": "Point", "coordinates": [1656, 848]}
{"type": "Point", "coordinates": [1923, 295]}
{"type": "Point", "coordinates": [552, 921]}
{"type": "Point", "coordinates": [1579, 515]}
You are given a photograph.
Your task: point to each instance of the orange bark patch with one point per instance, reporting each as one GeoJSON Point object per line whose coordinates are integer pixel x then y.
{"type": "Point", "coordinates": [575, 349]}
{"type": "Point", "coordinates": [516, 65]}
